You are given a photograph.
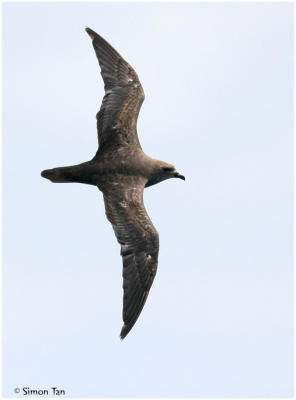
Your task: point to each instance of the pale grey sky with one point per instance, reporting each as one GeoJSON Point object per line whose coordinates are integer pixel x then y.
{"type": "Point", "coordinates": [218, 80]}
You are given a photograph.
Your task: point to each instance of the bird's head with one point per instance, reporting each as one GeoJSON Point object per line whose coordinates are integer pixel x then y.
{"type": "Point", "coordinates": [163, 171]}
{"type": "Point", "coordinates": [169, 171]}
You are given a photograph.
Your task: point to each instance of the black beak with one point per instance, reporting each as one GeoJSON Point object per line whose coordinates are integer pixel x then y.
{"type": "Point", "coordinates": [177, 175]}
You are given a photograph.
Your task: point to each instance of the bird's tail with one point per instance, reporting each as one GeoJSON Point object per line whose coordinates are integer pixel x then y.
{"type": "Point", "coordinates": [81, 173]}
{"type": "Point", "coordinates": [58, 175]}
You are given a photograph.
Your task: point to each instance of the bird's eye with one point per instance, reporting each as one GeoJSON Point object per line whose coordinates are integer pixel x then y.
{"type": "Point", "coordinates": [167, 169]}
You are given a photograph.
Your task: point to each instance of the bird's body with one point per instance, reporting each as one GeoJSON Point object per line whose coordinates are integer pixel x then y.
{"type": "Point", "coordinates": [121, 170]}
{"type": "Point", "coordinates": [122, 162]}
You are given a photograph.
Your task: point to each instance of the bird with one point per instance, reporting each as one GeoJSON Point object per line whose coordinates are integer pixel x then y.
{"type": "Point", "coordinates": [121, 171]}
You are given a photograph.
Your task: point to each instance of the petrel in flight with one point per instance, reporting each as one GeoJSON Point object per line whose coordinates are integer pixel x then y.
{"type": "Point", "coordinates": [121, 171]}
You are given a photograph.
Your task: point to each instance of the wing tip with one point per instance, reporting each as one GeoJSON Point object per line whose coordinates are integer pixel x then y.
{"type": "Point", "coordinates": [90, 32]}
{"type": "Point", "coordinates": [124, 331]}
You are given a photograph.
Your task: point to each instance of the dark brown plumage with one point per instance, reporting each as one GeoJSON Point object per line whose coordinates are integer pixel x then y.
{"type": "Point", "coordinates": [121, 170]}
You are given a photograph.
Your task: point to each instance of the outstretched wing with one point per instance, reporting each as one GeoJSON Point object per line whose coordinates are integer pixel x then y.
{"type": "Point", "coordinates": [124, 95]}
{"type": "Point", "coordinates": [139, 243]}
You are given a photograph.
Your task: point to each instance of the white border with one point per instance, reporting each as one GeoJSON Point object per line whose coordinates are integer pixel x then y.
{"type": "Point", "coordinates": [294, 165]}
